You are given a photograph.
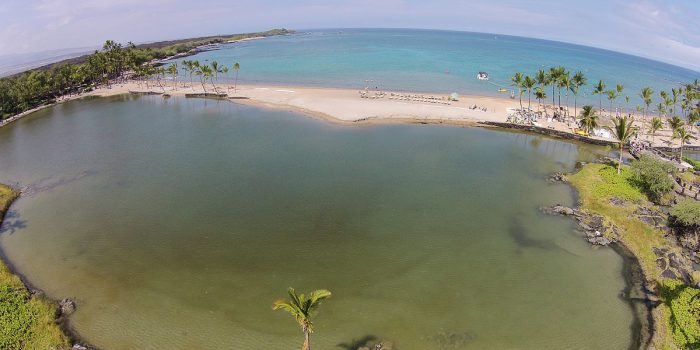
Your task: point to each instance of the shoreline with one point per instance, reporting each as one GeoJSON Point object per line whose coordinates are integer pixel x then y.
{"type": "Point", "coordinates": [60, 319]}
{"type": "Point", "coordinates": [346, 107]}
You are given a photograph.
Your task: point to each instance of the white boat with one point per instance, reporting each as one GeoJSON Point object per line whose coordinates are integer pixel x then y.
{"type": "Point", "coordinates": [482, 76]}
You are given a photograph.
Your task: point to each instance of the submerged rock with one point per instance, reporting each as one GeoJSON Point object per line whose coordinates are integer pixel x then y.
{"type": "Point", "coordinates": [556, 177]}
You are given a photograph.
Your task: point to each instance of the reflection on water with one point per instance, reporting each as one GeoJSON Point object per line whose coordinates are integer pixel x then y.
{"type": "Point", "coordinates": [175, 224]}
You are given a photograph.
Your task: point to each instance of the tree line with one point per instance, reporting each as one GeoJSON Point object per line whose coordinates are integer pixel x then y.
{"type": "Point", "coordinates": [684, 99]}
{"type": "Point", "coordinates": [112, 63]}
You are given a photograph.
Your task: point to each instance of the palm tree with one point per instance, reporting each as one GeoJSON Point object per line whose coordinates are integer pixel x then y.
{"type": "Point", "coordinates": [693, 119]}
{"type": "Point", "coordinates": [517, 81]}
{"type": "Point", "coordinates": [172, 70]}
{"type": "Point", "coordinates": [656, 125]}
{"type": "Point", "coordinates": [576, 82]}
{"type": "Point", "coordinates": [203, 72]}
{"type": "Point", "coordinates": [189, 68]}
{"type": "Point", "coordinates": [302, 307]}
{"type": "Point", "coordinates": [216, 69]}
{"type": "Point", "coordinates": [552, 78]}
{"type": "Point", "coordinates": [612, 96]}
{"type": "Point", "coordinates": [528, 83]}
{"type": "Point", "coordinates": [563, 83]}
{"type": "Point", "coordinates": [540, 95]}
{"type": "Point", "coordinates": [236, 67]}
{"type": "Point", "coordinates": [619, 88]}
{"type": "Point", "coordinates": [684, 136]}
{"type": "Point", "coordinates": [675, 123]}
{"type": "Point", "coordinates": [588, 118]}
{"type": "Point", "coordinates": [646, 95]}
{"type": "Point", "coordinates": [623, 130]}
{"type": "Point", "coordinates": [599, 89]}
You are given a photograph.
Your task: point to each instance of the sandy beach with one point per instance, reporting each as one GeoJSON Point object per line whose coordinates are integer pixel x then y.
{"type": "Point", "coordinates": [347, 106]}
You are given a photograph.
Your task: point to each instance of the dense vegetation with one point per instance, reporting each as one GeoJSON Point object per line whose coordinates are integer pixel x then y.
{"type": "Point", "coordinates": [653, 176]}
{"type": "Point", "coordinates": [683, 303]}
{"type": "Point", "coordinates": [26, 321]}
{"type": "Point", "coordinates": [41, 86]}
{"type": "Point", "coordinates": [686, 213]}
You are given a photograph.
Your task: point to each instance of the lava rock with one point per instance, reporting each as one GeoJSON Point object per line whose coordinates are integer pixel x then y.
{"type": "Point", "coordinates": [67, 306]}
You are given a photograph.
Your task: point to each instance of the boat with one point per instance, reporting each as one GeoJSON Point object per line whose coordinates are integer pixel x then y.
{"type": "Point", "coordinates": [482, 76]}
{"type": "Point", "coordinates": [502, 90]}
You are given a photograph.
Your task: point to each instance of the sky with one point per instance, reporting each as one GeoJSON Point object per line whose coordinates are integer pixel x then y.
{"type": "Point", "coordinates": [665, 30]}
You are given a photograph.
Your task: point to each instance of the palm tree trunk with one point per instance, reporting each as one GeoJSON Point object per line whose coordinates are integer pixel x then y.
{"type": "Point", "coordinates": [307, 342]}
{"type": "Point", "coordinates": [619, 163]}
{"type": "Point", "coordinates": [235, 82]}
{"type": "Point", "coordinates": [575, 111]}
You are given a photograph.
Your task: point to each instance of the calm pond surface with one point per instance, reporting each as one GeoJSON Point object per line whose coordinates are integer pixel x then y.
{"type": "Point", "coordinates": [176, 223]}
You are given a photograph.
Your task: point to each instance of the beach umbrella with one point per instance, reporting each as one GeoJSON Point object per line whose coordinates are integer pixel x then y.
{"type": "Point", "coordinates": [454, 96]}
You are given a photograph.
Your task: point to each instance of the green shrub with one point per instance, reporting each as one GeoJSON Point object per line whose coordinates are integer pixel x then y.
{"type": "Point", "coordinates": [686, 212]}
{"type": "Point", "coordinates": [684, 317]}
{"type": "Point", "coordinates": [653, 176]}
{"type": "Point", "coordinates": [693, 162]}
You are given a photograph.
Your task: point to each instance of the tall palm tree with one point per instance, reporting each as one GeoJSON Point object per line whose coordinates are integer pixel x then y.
{"type": "Point", "coordinates": [623, 130]}
{"type": "Point", "coordinates": [553, 78]}
{"type": "Point", "coordinates": [693, 119]}
{"type": "Point", "coordinates": [540, 95]}
{"type": "Point", "coordinates": [172, 70]}
{"type": "Point", "coordinates": [588, 118]}
{"type": "Point", "coordinates": [517, 81]}
{"type": "Point", "coordinates": [656, 125]}
{"type": "Point", "coordinates": [528, 83]}
{"type": "Point", "coordinates": [683, 136]}
{"type": "Point", "coordinates": [236, 67]}
{"type": "Point", "coordinates": [577, 81]}
{"type": "Point", "coordinates": [303, 307]}
{"type": "Point", "coordinates": [612, 96]}
{"type": "Point", "coordinates": [599, 89]}
{"type": "Point", "coordinates": [646, 95]}
{"type": "Point", "coordinates": [619, 88]}
{"type": "Point", "coordinates": [563, 83]}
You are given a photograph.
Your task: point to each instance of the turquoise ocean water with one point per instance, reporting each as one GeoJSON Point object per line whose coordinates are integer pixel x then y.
{"type": "Point", "coordinates": [430, 60]}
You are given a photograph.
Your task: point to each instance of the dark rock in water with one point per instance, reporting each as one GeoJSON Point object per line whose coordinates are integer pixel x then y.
{"type": "Point", "coordinates": [661, 263]}
{"type": "Point", "coordinates": [596, 230]}
{"type": "Point", "coordinates": [67, 307]}
{"type": "Point", "coordinates": [558, 210]}
{"type": "Point", "coordinates": [556, 177]}
{"type": "Point", "coordinates": [669, 274]}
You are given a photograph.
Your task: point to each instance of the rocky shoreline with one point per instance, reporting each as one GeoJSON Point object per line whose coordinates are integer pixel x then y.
{"type": "Point", "coordinates": [641, 299]}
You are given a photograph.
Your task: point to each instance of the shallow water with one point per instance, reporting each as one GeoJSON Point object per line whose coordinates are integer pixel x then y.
{"type": "Point", "coordinates": [436, 61]}
{"type": "Point", "coordinates": [176, 223]}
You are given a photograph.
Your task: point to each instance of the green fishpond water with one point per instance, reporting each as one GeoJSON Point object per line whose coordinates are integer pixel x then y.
{"type": "Point", "coordinates": [175, 223]}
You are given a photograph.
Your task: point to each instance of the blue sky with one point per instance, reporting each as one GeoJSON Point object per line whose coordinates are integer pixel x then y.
{"type": "Point", "coordinates": [664, 30]}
